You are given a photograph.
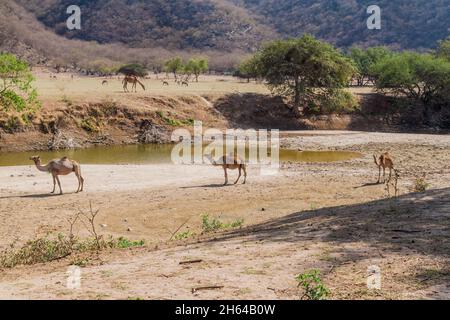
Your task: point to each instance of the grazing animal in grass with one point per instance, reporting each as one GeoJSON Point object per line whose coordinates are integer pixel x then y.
{"type": "Point", "coordinates": [104, 82]}
{"type": "Point", "coordinates": [384, 161]}
{"type": "Point", "coordinates": [230, 162]}
{"type": "Point", "coordinates": [165, 83]}
{"type": "Point", "coordinates": [184, 83]}
{"type": "Point", "coordinates": [60, 167]}
{"type": "Point", "coordinates": [134, 81]}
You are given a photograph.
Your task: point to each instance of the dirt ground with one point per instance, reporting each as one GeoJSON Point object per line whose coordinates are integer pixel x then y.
{"type": "Point", "coordinates": [331, 217]}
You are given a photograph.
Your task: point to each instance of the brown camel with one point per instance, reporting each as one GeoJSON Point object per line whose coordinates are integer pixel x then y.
{"type": "Point", "coordinates": [134, 81]}
{"type": "Point", "coordinates": [60, 167]}
{"type": "Point", "coordinates": [384, 161]}
{"type": "Point", "coordinates": [230, 162]}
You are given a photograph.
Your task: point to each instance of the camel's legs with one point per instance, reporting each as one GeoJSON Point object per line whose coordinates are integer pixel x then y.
{"type": "Point", "coordinates": [54, 183]}
{"type": "Point", "coordinates": [390, 174]}
{"type": "Point", "coordinates": [379, 174]}
{"type": "Point", "coordinates": [384, 174]}
{"type": "Point", "coordinates": [226, 175]}
{"type": "Point", "coordinates": [238, 176]}
{"type": "Point", "coordinates": [59, 184]}
{"type": "Point", "coordinates": [245, 173]}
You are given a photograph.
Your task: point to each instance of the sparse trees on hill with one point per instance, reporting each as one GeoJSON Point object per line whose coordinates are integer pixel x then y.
{"type": "Point", "coordinates": [443, 50]}
{"type": "Point", "coordinates": [16, 90]}
{"type": "Point", "coordinates": [174, 66]}
{"type": "Point", "coordinates": [194, 66]}
{"type": "Point", "coordinates": [133, 69]}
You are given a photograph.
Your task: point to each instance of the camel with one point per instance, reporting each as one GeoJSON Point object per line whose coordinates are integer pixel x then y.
{"type": "Point", "coordinates": [384, 161]}
{"type": "Point", "coordinates": [60, 167]}
{"type": "Point", "coordinates": [133, 80]}
{"type": "Point", "coordinates": [230, 162]}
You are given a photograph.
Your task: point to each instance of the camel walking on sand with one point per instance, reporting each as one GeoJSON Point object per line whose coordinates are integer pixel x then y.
{"type": "Point", "coordinates": [134, 81]}
{"type": "Point", "coordinates": [60, 167]}
{"type": "Point", "coordinates": [384, 161]}
{"type": "Point", "coordinates": [230, 162]}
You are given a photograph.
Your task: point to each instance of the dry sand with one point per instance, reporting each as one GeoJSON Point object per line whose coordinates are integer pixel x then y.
{"type": "Point", "coordinates": [326, 216]}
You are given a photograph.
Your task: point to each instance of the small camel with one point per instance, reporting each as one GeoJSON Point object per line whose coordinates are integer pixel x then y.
{"type": "Point", "coordinates": [230, 162]}
{"type": "Point", "coordinates": [60, 167]}
{"type": "Point", "coordinates": [134, 81]}
{"type": "Point", "coordinates": [384, 161]}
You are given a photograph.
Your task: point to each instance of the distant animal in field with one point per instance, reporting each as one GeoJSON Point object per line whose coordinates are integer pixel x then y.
{"type": "Point", "coordinates": [184, 83]}
{"type": "Point", "coordinates": [230, 162]}
{"type": "Point", "coordinates": [104, 82]}
{"type": "Point", "coordinates": [165, 83]}
{"type": "Point", "coordinates": [60, 167]}
{"type": "Point", "coordinates": [134, 81]}
{"type": "Point", "coordinates": [384, 161]}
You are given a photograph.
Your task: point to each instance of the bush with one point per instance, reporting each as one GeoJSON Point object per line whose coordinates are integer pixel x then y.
{"type": "Point", "coordinates": [210, 225]}
{"type": "Point", "coordinates": [312, 285]}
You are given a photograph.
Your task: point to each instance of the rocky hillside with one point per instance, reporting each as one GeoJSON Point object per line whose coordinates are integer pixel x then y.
{"type": "Point", "coordinates": [243, 24]}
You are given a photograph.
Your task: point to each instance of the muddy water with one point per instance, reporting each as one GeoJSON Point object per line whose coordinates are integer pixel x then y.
{"type": "Point", "coordinates": [152, 154]}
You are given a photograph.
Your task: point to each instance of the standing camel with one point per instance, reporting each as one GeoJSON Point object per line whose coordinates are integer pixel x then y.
{"type": "Point", "coordinates": [230, 162]}
{"type": "Point", "coordinates": [60, 167]}
{"type": "Point", "coordinates": [134, 81]}
{"type": "Point", "coordinates": [384, 161]}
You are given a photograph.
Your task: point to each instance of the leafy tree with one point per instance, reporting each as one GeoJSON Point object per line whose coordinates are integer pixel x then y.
{"type": "Point", "coordinates": [133, 69]}
{"type": "Point", "coordinates": [16, 90]}
{"type": "Point", "coordinates": [248, 69]}
{"type": "Point", "coordinates": [364, 60]}
{"type": "Point", "coordinates": [443, 50]}
{"type": "Point", "coordinates": [306, 69]}
{"type": "Point", "coordinates": [197, 66]}
{"type": "Point", "coordinates": [174, 65]}
{"type": "Point", "coordinates": [422, 78]}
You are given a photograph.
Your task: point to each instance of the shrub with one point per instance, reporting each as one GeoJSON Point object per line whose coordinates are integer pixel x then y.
{"type": "Point", "coordinates": [214, 224]}
{"type": "Point", "coordinates": [312, 285]}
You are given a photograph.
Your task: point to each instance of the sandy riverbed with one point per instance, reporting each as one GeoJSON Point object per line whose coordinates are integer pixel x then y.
{"type": "Point", "coordinates": [326, 216]}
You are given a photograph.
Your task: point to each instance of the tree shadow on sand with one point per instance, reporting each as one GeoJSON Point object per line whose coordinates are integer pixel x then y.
{"type": "Point", "coordinates": [416, 221]}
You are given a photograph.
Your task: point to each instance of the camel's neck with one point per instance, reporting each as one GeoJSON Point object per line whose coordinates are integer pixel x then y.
{"type": "Point", "coordinates": [41, 167]}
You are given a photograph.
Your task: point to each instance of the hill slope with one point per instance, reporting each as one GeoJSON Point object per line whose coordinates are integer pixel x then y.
{"type": "Point", "coordinates": [243, 24]}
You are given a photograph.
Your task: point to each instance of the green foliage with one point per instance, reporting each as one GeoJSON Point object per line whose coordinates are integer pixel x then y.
{"type": "Point", "coordinates": [124, 243]}
{"type": "Point", "coordinates": [16, 91]}
{"type": "Point", "coordinates": [365, 59]}
{"type": "Point", "coordinates": [248, 69]}
{"type": "Point", "coordinates": [420, 184]}
{"type": "Point", "coordinates": [196, 66]}
{"type": "Point", "coordinates": [420, 77]}
{"type": "Point", "coordinates": [133, 69]}
{"type": "Point", "coordinates": [443, 50]}
{"type": "Point", "coordinates": [174, 122]}
{"type": "Point", "coordinates": [90, 125]}
{"type": "Point", "coordinates": [305, 69]}
{"type": "Point", "coordinates": [214, 224]}
{"type": "Point", "coordinates": [184, 235]}
{"type": "Point", "coordinates": [174, 65]}
{"type": "Point", "coordinates": [312, 285]}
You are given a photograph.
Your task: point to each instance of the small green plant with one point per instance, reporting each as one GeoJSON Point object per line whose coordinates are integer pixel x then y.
{"type": "Point", "coordinates": [184, 235]}
{"type": "Point", "coordinates": [67, 101]}
{"type": "Point", "coordinates": [89, 125]}
{"type": "Point", "coordinates": [420, 184]}
{"type": "Point", "coordinates": [124, 243]}
{"type": "Point", "coordinates": [174, 122]}
{"type": "Point", "coordinates": [214, 224]}
{"type": "Point", "coordinates": [312, 285]}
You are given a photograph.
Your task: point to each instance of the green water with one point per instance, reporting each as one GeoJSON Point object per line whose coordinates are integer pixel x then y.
{"type": "Point", "coordinates": [151, 154]}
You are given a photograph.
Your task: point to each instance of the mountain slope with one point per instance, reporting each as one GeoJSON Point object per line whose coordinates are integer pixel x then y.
{"type": "Point", "coordinates": [243, 24]}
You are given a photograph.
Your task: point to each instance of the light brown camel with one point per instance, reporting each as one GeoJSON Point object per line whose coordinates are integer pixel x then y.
{"type": "Point", "coordinates": [230, 162]}
{"type": "Point", "coordinates": [60, 167]}
{"type": "Point", "coordinates": [134, 81]}
{"type": "Point", "coordinates": [384, 161]}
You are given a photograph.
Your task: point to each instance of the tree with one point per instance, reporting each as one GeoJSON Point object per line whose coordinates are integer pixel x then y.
{"type": "Point", "coordinates": [443, 50]}
{"type": "Point", "coordinates": [197, 66]}
{"type": "Point", "coordinates": [364, 60]}
{"type": "Point", "coordinates": [308, 70]}
{"type": "Point", "coordinates": [248, 69]}
{"type": "Point", "coordinates": [174, 65]}
{"type": "Point", "coordinates": [16, 90]}
{"type": "Point", "coordinates": [422, 78]}
{"type": "Point", "coordinates": [133, 69]}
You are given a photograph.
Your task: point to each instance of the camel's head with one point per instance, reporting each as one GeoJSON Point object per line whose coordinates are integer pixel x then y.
{"type": "Point", "coordinates": [36, 159]}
